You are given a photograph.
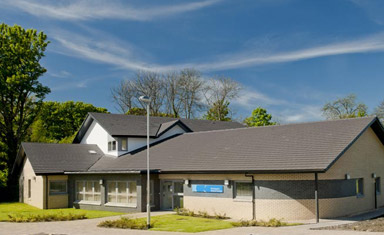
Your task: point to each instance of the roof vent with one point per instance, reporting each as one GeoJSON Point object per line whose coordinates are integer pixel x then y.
{"type": "Point", "coordinates": [92, 151]}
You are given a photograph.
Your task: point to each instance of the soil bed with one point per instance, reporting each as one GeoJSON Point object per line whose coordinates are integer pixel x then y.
{"type": "Point", "coordinates": [373, 225]}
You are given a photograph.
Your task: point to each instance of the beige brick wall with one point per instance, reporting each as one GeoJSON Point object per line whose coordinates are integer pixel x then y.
{"type": "Point", "coordinates": [366, 156]}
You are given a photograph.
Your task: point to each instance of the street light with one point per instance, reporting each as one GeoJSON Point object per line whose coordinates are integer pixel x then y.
{"type": "Point", "coordinates": [147, 100]}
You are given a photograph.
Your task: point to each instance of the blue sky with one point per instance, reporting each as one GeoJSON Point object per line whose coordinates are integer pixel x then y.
{"type": "Point", "coordinates": [290, 56]}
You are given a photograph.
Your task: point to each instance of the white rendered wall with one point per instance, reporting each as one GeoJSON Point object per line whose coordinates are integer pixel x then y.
{"type": "Point", "coordinates": [97, 135]}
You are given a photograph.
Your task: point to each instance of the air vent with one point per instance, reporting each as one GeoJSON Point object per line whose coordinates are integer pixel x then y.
{"type": "Point", "coordinates": [92, 151]}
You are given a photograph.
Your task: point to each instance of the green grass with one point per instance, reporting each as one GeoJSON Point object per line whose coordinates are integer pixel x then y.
{"type": "Point", "coordinates": [173, 223]}
{"type": "Point", "coordinates": [21, 209]}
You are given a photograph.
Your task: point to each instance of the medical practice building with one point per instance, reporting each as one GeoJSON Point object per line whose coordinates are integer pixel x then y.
{"type": "Point", "coordinates": [297, 171]}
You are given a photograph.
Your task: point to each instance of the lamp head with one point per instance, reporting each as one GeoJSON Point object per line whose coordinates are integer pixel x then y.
{"type": "Point", "coordinates": [145, 99]}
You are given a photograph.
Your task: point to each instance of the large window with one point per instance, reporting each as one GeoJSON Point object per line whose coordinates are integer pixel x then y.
{"type": "Point", "coordinates": [243, 190]}
{"type": "Point", "coordinates": [378, 186]}
{"type": "Point", "coordinates": [122, 193]}
{"type": "Point", "coordinates": [360, 187]}
{"type": "Point", "coordinates": [111, 145]}
{"type": "Point", "coordinates": [88, 191]}
{"type": "Point", "coordinates": [57, 187]}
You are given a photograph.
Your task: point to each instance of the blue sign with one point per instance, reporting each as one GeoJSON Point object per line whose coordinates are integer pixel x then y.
{"type": "Point", "coordinates": [203, 188]}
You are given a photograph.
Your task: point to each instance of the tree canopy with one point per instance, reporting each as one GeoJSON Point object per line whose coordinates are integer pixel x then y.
{"type": "Point", "coordinates": [58, 122]}
{"type": "Point", "coordinates": [219, 112]}
{"type": "Point", "coordinates": [345, 107]}
{"type": "Point", "coordinates": [259, 117]}
{"type": "Point", "coordinates": [21, 93]}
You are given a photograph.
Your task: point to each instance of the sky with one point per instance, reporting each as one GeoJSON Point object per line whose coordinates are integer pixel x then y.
{"type": "Point", "coordinates": [290, 56]}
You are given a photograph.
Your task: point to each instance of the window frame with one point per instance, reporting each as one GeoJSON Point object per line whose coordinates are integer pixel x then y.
{"type": "Point", "coordinates": [242, 198]}
{"type": "Point", "coordinates": [83, 192]}
{"type": "Point", "coordinates": [116, 193]}
{"type": "Point", "coordinates": [58, 193]}
{"type": "Point", "coordinates": [124, 147]}
{"type": "Point", "coordinates": [112, 146]}
{"type": "Point", "coordinates": [29, 188]}
{"type": "Point", "coordinates": [359, 187]}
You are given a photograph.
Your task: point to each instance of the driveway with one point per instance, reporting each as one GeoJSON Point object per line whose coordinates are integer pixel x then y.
{"type": "Point", "coordinates": [89, 226]}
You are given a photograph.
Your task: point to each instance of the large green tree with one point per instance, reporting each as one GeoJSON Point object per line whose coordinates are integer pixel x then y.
{"type": "Point", "coordinates": [259, 117]}
{"type": "Point", "coordinates": [218, 112]}
{"type": "Point", "coordinates": [58, 122]}
{"type": "Point", "coordinates": [345, 107]}
{"type": "Point", "coordinates": [21, 93]}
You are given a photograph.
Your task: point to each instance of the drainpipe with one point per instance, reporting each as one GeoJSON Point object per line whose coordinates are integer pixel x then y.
{"type": "Point", "coordinates": [317, 198]}
{"type": "Point", "coordinates": [253, 195]}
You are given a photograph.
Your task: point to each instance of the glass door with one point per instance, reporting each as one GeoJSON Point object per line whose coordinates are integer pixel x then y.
{"type": "Point", "coordinates": [172, 195]}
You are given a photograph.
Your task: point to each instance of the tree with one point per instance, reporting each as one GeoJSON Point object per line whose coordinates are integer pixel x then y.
{"type": "Point", "coordinates": [191, 92]}
{"type": "Point", "coordinates": [218, 93]}
{"type": "Point", "coordinates": [345, 107]}
{"type": "Point", "coordinates": [259, 117]}
{"type": "Point", "coordinates": [137, 111]}
{"type": "Point", "coordinates": [218, 112]}
{"type": "Point", "coordinates": [21, 93]}
{"type": "Point", "coordinates": [58, 122]}
{"type": "Point", "coordinates": [379, 111]}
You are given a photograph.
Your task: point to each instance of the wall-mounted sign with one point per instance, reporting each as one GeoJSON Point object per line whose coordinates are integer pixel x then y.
{"type": "Point", "coordinates": [204, 188]}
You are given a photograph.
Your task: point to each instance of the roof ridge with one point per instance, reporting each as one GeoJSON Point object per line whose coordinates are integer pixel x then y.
{"type": "Point", "coordinates": [287, 124]}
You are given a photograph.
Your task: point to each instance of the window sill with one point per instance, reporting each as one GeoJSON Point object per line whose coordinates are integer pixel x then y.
{"type": "Point", "coordinates": [87, 203]}
{"type": "Point", "coordinates": [242, 199]}
{"type": "Point", "coordinates": [360, 196]}
{"type": "Point", "coordinates": [120, 205]}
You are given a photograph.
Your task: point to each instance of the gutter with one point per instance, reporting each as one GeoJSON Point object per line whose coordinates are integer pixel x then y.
{"type": "Point", "coordinates": [100, 172]}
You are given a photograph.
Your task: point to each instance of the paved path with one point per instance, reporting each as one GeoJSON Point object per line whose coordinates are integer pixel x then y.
{"type": "Point", "coordinates": [89, 226]}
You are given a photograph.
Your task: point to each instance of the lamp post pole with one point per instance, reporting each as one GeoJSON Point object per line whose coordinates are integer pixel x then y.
{"type": "Point", "coordinates": [148, 175]}
{"type": "Point", "coordinates": [147, 100]}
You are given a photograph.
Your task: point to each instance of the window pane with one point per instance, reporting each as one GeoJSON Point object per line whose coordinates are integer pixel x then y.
{"type": "Point", "coordinates": [124, 145]}
{"type": "Point", "coordinates": [178, 187]}
{"type": "Point", "coordinates": [132, 200]}
{"type": "Point", "coordinates": [243, 189]}
{"type": "Point", "coordinates": [113, 145]}
{"type": "Point", "coordinates": [97, 197]}
{"type": "Point", "coordinates": [378, 186]}
{"type": "Point", "coordinates": [111, 187]}
{"type": "Point", "coordinates": [121, 198]}
{"type": "Point", "coordinates": [96, 185]}
{"type": "Point", "coordinates": [109, 146]}
{"type": "Point", "coordinates": [111, 198]}
{"type": "Point", "coordinates": [88, 197]}
{"type": "Point", "coordinates": [57, 187]}
{"type": "Point", "coordinates": [79, 187]}
{"type": "Point", "coordinates": [132, 187]}
{"type": "Point", "coordinates": [88, 187]}
{"type": "Point", "coordinates": [79, 197]}
{"type": "Point", "coordinates": [121, 187]}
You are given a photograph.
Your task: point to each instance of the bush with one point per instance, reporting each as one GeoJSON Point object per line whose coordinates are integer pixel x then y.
{"type": "Point", "coordinates": [203, 214]}
{"type": "Point", "coordinates": [18, 218]}
{"type": "Point", "coordinates": [125, 223]}
{"type": "Point", "coordinates": [271, 223]}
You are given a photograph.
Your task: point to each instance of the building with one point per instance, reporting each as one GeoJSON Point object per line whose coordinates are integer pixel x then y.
{"type": "Point", "coordinates": [298, 171]}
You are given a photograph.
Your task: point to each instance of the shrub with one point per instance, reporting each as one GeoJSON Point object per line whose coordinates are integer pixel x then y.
{"type": "Point", "coordinates": [271, 223]}
{"type": "Point", "coordinates": [126, 223]}
{"type": "Point", "coordinates": [45, 217]}
{"type": "Point", "coordinates": [203, 214]}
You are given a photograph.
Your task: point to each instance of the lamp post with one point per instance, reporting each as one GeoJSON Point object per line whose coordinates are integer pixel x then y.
{"type": "Point", "coordinates": [147, 100]}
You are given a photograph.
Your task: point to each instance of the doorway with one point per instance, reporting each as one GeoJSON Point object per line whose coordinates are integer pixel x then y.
{"type": "Point", "coordinates": [172, 193]}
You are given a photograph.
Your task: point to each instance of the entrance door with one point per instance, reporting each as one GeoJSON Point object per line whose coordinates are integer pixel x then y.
{"type": "Point", "coordinates": [166, 195]}
{"type": "Point", "coordinates": [172, 195]}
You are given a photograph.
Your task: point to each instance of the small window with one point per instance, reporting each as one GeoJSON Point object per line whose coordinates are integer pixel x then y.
{"type": "Point", "coordinates": [360, 187]}
{"type": "Point", "coordinates": [378, 185]}
{"type": "Point", "coordinates": [244, 190]}
{"type": "Point", "coordinates": [112, 145]}
{"type": "Point", "coordinates": [29, 189]}
{"type": "Point", "coordinates": [58, 187]}
{"type": "Point", "coordinates": [124, 144]}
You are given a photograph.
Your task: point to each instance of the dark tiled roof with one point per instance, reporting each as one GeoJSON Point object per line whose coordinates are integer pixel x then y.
{"type": "Point", "coordinates": [57, 158]}
{"type": "Point", "coordinates": [131, 125]}
{"type": "Point", "coordinates": [306, 147]}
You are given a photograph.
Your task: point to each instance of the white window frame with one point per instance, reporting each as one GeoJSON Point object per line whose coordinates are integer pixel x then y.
{"type": "Point", "coordinates": [112, 145]}
{"type": "Point", "coordinates": [58, 193]}
{"type": "Point", "coordinates": [83, 193]}
{"type": "Point", "coordinates": [241, 198]}
{"type": "Point", "coordinates": [116, 194]}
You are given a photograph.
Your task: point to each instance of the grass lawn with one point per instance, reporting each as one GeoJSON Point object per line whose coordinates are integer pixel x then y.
{"type": "Point", "coordinates": [179, 223]}
{"type": "Point", "coordinates": [16, 208]}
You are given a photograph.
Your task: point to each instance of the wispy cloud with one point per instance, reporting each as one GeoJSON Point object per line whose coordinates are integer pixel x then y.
{"type": "Point", "coordinates": [91, 10]}
{"type": "Point", "coordinates": [123, 57]}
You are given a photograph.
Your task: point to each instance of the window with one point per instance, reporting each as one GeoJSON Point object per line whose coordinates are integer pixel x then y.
{"type": "Point", "coordinates": [111, 145]}
{"type": "Point", "coordinates": [58, 187]}
{"type": "Point", "coordinates": [122, 192]}
{"type": "Point", "coordinates": [360, 187]}
{"type": "Point", "coordinates": [244, 190]}
{"type": "Point", "coordinates": [124, 144]}
{"type": "Point", "coordinates": [29, 189]}
{"type": "Point", "coordinates": [152, 193]}
{"type": "Point", "coordinates": [378, 186]}
{"type": "Point", "coordinates": [88, 191]}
